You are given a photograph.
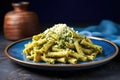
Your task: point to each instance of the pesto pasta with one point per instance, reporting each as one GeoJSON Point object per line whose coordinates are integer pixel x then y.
{"type": "Point", "coordinates": [61, 44]}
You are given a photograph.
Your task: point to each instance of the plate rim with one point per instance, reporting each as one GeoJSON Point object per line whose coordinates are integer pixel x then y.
{"type": "Point", "coordinates": [61, 65]}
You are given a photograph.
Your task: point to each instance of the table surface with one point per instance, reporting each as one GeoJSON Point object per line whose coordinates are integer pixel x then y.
{"type": "Point", "coordinates": [11, 71]}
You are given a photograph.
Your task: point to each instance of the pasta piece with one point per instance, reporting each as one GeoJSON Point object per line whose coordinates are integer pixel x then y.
{"type": "Point", "coordinates": [76, 35]}
{"type": "Point", "coordinates": [62, 59]}
{"type": "Point", "coordinates": [72, 60]}
{"type": "Point", "coordinates": [90, 57]}
{"type": "Point", "coordinates": [56, 48]}
{"type": "Point", "coordinates": [30, 57]}
{"type": "Point", "coordinates": [30, 46]}
{"type": "Point", "coordinates": [53, 35]}
{"type": "Point", "coordinates": [84, 58]}
{"type": "Point", "coordinates": [78, 48]}
{"type": "Point", "coordinates": [41, 41]}
{"type": "Point", "coordinates": [88, 39]}
{"type": "Point", "coordinates": [37, 37]}
{"type": "Point", "coordinates": [26, 51]}
{"type": "Point", "coordinates": [57, 54]}
{"type": "Point", "coordinates": [75, 55]}
{"type": "Point", "coordinates": [87, 51]}
{"type": "Point", "coordinates": [98, 48]}
{"type": "Point", "coordinates": [90, 45]}
{"type": "Point", "coordinates": [37, 57]}
{"type": "Point", "coordinates": [46, 46]}
{"type": "Point", "coordinates": [94, 54]}
{"type": "Point", "coordinates": [48, 60]}
{"type": "Point", "coordinates": [70, 45]}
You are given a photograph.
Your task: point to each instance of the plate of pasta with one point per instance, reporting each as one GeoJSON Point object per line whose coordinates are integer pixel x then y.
{"type": "Point", "coordinates": [61, 48]}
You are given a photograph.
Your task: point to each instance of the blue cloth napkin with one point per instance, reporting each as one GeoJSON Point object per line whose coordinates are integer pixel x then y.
{"type": "Point", "coordinates": [106, 29]}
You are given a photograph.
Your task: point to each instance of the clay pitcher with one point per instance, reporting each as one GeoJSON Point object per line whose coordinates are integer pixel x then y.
{"type": "Point", "coordinates": [21, 23]}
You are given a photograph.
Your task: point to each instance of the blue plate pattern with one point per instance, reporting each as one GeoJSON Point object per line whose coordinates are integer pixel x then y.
{"type": "Point", "coordinates": [14, 52]}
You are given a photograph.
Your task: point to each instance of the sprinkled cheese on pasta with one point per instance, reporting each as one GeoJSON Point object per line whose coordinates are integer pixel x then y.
{"type": "Point", "coordinates": [61, 44]}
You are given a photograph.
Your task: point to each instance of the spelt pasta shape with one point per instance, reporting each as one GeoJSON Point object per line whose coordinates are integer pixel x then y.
{"type": "Point", "coordinates": [61, 44]}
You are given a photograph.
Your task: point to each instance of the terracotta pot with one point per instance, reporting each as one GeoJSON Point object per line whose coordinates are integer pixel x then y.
{"type": "Point", "coordinates": [20, 22]}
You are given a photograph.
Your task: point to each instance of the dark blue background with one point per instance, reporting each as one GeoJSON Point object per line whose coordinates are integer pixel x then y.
{"type": "Point", "coordinates": [70, 11]}
{"type": "Point", "coordinates": [76, 11]}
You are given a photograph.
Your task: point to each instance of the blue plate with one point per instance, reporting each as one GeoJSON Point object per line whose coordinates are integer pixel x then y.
{"type": "Point", "coordinates": [14, 52]}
